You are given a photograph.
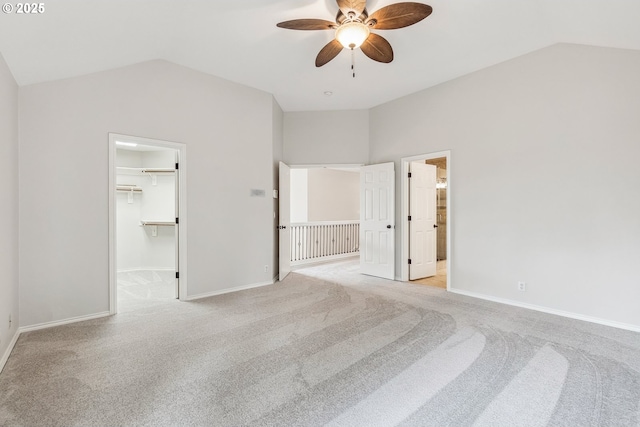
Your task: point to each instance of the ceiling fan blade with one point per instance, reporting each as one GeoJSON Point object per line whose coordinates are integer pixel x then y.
{"type": "Point", "coordinates": [377, 48]}
{"type": "Point", "coordinates": [307, 24]}
{"type": "Point", "coordinates": [356, 6]}
{"type": "Point", "coordinates": [327, 53]}
{"type": "Point", "coordinates": [399, 15]}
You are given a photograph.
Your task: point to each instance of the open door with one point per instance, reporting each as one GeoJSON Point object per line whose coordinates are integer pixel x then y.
{"type": "Point", "coordinates": [422, 221]}
{"type": "Point", "coordinates": [285, 221]}
{"type": "Point", "coordinates": [377, 220]}
{"type": "Point", "coordinates": [177, 227]}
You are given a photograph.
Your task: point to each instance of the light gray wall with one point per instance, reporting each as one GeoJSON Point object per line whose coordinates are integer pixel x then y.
{"type": "Point", "coordinates": [545, 176]}
{"type": "Point", "coordinates": [299, 195]}
{"type": "Point", "coordinates": [278, 140]}
{"type": "Point", "coordinates": [333, 195]}
{"type": "Point", "coordinates": [64, 125]}
{"type": "Point", "coordinates": [326, 137]}
{"type": "Point", "coordinates": [8, 206]}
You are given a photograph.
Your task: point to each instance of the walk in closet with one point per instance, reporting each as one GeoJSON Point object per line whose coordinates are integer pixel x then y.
{"type": "Point", "coordinates": [146, 223]}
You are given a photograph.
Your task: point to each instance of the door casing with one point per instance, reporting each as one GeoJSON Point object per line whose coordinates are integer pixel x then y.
{"type": "Point", "coordinates": [181, 207]}
{"type": "Point", "coordinates": [284, 222]}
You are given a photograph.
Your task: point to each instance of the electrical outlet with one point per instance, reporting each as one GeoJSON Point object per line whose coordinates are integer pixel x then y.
{"type": "Point", "coordinates": [266, 268]}
{"type": "Point", "coordinates": [522, 286]}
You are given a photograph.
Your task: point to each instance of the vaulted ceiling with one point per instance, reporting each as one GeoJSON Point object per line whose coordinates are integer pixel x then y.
{"type": "Point", "coordinates": [238, 40]}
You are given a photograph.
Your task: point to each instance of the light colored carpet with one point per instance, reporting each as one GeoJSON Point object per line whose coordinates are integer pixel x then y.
{"type": "Point", "coordinates": [327, 346]}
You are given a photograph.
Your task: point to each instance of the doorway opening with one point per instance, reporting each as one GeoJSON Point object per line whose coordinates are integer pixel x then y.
{"type": "Point", "coordinates": [375, 230]}
{"type": "Point", "coordinates": [426, 214]}
{"type": "Point", "coordinates": [147, 222]}
{"type": "Point", "coordinates": [319, 214]}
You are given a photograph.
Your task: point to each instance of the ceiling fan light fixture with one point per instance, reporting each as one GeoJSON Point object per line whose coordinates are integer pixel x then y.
{"type": "Point", "coordinates": [352, 34]}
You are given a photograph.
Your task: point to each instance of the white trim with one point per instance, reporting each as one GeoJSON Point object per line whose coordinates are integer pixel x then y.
{"type": "Point", "coordinates": [307, 262]}
{"type": "Point", "coordinates": [55, 323]}
{"type": "Point", "coordinates": [182, 202]}
{"type": "Point", "coordinates": [7, 353]}
{"type": "Point", "coordinates": [404, 211]}
{"type": "Point", "coordinates": [113, 280]}
{"type": "Point", "coordinates": [569, 314]}
{"type": "Point", "coordinates": [228, 290]}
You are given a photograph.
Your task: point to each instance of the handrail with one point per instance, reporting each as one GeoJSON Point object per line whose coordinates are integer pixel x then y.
{"type": "Point", "coordinates": [294, 224]}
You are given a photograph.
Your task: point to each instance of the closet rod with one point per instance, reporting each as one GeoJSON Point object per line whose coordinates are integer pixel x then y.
{"type": "Point", "coordinates": [157, 223]}
{"type": "Point", "coordinates": [146, 170]}
{"type": "Point", "coordinates": [158, 170]}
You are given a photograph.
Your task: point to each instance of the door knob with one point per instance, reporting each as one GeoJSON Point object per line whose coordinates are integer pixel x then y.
{"type": "Point", "coordinates": [388, 226]}
{"type": "Point", "coordinates": [435, 226]}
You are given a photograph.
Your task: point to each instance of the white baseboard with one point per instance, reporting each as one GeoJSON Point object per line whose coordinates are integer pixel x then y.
{"type": "Point", "coordinates": [307, 263]}
{"type": "Point", "coordinates": [228, 290]}
{"type": "Point", "coordinates": [571, 315]}
{"type": "Point", "coordinates": [47, 325]}
{"type": "Point", "coordinates": [7, 353]}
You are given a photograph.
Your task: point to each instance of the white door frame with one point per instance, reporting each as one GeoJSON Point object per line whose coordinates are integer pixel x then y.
{"type": "Point", "coordinates": [284, 220]}
{"type": "Point", "coordinates": [404, 210]}
{"type": "Point", "coordinates": [182, 208]}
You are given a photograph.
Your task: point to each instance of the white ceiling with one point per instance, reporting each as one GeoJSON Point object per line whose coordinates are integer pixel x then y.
{"type": "Point", "coordinates": [238, 40]}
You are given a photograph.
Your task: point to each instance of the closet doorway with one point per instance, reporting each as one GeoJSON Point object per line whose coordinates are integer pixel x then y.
{"type": "Point", "coordinates": [147, 189]}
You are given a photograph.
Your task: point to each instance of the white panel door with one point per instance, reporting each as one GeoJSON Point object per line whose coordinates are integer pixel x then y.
{"type": "Point", "coordinates": [377, 220]}
{"type": "Point", "coordinates": [284, 193]}
{"type": "Point", "coordinates": [422, 223]}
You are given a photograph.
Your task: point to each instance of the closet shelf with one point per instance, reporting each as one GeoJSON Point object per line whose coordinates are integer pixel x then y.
{"type": "Point", "coordinates": [157, 223]}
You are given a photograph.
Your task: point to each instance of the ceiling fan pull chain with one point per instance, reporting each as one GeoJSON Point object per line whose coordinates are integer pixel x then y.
{"type": "Point", "coordinates": [353, 63]}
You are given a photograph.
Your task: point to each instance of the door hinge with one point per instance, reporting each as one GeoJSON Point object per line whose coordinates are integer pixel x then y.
{"type": "Point", "coordinates": [177, 275]}
{"type": "Point", "coordinates": [177, 220]}
{"type": "Point", "coordinates": [409, 260]}
{"type": "Point", "coordinates": [409, 174]}
{"type": "Point", "coordinates": [177, 166]}
{"type": "Point", "coordinates": [409, 217]}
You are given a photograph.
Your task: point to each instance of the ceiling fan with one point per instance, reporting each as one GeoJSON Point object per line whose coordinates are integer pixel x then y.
{"type": "Point", "coordinates": [353, 27]}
